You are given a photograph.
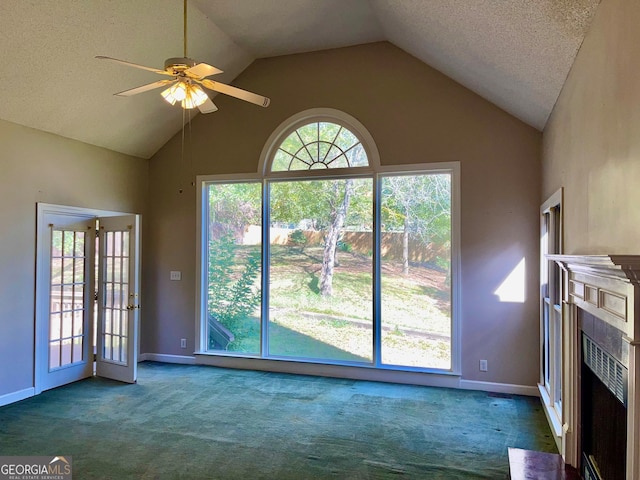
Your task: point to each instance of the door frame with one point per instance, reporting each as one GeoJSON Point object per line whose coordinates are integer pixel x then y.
{"type": "Point", "coordinates": [42, 297]}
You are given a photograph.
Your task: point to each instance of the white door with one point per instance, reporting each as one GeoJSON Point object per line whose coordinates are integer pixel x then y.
{"type": "Point", "coordinates": [118, 297]}
{"type": "Point", "coordinates": [64, 306]}
{"type": "Point", "coordinates": [66, 287]}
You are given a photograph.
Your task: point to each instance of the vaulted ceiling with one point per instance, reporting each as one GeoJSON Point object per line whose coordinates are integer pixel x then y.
{"type": "Point", "coordinates": [514, 53]}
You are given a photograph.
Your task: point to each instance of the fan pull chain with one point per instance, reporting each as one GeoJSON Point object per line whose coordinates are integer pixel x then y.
{"type": "Point", "coordinates": [192, 174]}
{"type": "Point", "coordinates": [181, 175]}
{"type": "Point", "coordinates": [189, 174]}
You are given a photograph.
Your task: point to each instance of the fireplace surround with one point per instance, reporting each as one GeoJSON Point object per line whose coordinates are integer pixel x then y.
{"type": "Point", "coordinates": [601, 362]}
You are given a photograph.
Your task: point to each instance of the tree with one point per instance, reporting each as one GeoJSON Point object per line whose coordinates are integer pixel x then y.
{"type": "Point", "coordinates": [328, 205]}
{"type": "Point", "coordinates": [233, 206]}
{"type": "Point", "coordinates": [339, 202]}
{"type": "Point", "coordinates": [294, 201]}
{"type": "Point", "coordinates": [418, 205]}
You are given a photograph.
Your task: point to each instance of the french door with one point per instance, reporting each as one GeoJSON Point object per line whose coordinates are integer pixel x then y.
{"type": "Point", "coordinates": [118, 298]}
{"type": "Point", "coordinates": [66, 289]}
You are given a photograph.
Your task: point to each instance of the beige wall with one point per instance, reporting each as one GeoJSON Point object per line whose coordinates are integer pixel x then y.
{"type": "Point", "coordinates": [414, 114]}
{"type": "Point", "coordinates": [592, 141]}
{"type": "Point", "coordinates": [40, 167]}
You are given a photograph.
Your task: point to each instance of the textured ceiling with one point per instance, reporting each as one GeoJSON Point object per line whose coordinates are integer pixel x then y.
{"type": "Point", "coordinates": [515, 53]}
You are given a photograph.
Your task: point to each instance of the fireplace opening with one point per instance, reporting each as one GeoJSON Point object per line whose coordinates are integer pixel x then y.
{"type": "Point", "coordinates": [603, 414]}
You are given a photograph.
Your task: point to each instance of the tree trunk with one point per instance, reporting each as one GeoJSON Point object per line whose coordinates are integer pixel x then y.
{"type": "Point", "coordinates": [336, 261]}
{"type": "Point", "coordinates": [331, 241]}
{"type": "Point", "coordinates": [405, 246]}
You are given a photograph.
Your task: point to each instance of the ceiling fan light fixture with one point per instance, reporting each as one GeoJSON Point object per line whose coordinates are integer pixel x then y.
{"type": "Point", "coordinates": [195, 97]}
{"type": "Point", "coordinates": [188, 94]}
{"type": "Point", "coordinates": [175, 93]}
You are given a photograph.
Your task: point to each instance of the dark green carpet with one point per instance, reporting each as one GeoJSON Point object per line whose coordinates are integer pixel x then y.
{"type": "Point", "coordinates": [196, 422]}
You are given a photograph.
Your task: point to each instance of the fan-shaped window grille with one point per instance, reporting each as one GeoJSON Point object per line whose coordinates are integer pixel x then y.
{"type": "Point", "coordinates": [319, 145]}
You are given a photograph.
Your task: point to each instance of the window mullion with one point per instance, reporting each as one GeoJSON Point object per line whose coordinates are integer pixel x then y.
{"type": "Point", "coordinates": [266, 256]}
{"type": "Point", "coordinates": [377, 317]}
{"type": "Point", "coordinates": [306, 147]}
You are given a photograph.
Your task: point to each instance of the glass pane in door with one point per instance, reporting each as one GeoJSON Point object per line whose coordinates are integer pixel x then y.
{"type": "Point", "coordinates": [115, 287]}
{"type": "Point", "coordinates": [67, 305]}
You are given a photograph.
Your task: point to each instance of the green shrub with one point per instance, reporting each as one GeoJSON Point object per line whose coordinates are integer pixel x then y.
{"type": "Point", "coordinates": [297, 238]}
{"type": "Point", "coordinates": [344, 246]}
{"type": "Point", "coordinates": [233, 293]}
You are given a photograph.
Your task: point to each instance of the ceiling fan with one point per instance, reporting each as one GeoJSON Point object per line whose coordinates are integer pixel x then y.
{"type": "Point", "coordinates": [186, 77]}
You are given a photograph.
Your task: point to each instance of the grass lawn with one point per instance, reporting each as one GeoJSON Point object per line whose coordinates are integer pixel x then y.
{"type": "Point", "coordinates": [416, 325]}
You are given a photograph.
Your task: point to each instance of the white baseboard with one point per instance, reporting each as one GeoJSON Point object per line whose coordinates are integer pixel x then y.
{"type": "Point", "coordinates": [12, 397]}
{"type": "Point", "coordinates": [163, 357]}
{"type": "Point", "coordinates": [329, 370]}
{"type": "Point", "coordinates": [357, 373]}
{"type": "Point", "coordinates": [500, 388]}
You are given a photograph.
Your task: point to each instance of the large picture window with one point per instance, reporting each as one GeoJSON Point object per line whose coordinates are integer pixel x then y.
{"type": "Point", "coordinates": [325, 257]}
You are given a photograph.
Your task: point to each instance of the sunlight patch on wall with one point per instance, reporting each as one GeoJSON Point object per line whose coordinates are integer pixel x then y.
{"type": "Point", "coordinates": [512, 289]}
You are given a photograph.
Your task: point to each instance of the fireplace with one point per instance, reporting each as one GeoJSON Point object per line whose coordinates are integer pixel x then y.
{"type": "Point", "coordinates": [601, 365]}
{"type": "Point", "coordinates": [603, 399]}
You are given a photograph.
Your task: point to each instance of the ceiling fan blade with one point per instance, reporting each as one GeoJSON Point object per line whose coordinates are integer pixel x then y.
{"type": "Point", "coordinates": [202, 70]}
{"type": "Point", "coordinates": [208, 107]}
{"type": "Point", "coordinates": [144, 88]}
{"type": "Point", "coordinates": [135, 65]}
{"type": "Point", "coordinates": [236, 92]}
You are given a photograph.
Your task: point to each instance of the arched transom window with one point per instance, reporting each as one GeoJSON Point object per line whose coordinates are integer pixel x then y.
{"type": "Point", "coordinates": [319, 145]}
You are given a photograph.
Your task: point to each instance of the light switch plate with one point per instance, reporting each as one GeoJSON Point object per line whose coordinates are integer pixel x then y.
{"type": "Point", "coordinates": [176, 275]}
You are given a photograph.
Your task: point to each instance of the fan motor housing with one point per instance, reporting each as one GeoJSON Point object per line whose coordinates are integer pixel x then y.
{"type": "Point", "coordinates": [178, 64]}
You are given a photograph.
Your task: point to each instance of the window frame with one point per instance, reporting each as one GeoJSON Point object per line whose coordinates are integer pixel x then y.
{"type": "Point", "coordinates": [375, 171]}
{"type": "Point", "coordinates": [551, 311]}
{"type": "Point", "coordinates": [318, 115]}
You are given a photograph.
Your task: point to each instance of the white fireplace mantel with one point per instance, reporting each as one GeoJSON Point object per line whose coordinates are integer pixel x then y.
{"type": "Point", "coordinates": [608, 287]}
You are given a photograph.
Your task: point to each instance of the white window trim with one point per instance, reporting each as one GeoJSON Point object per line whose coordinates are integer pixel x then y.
{"type": "Point", "coordinates": [375, 170]}
{"type": "Point", "coordinates": [549, 395]}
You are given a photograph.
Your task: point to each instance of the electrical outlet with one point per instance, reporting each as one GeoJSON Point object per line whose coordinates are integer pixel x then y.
{"type": "Point", "coordinates": [175, 275]}
{"type": "Point", "coordinates": [483, 366]}
{"type": "Point", "coordinates": [183, 343]}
